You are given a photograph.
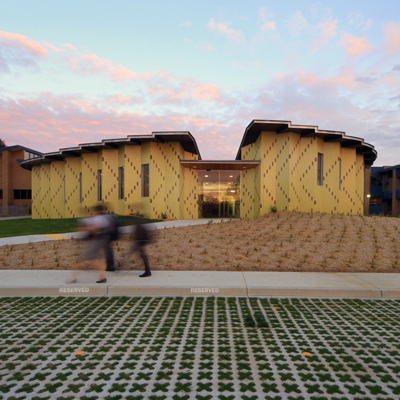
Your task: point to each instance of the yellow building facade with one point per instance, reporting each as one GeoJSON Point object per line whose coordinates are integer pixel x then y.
{"type": "Point", "coordinates": [290, 167]}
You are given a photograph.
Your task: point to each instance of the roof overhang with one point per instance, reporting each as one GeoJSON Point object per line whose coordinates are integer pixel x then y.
{"type": "Point", "coordinates": [219, 164]}
{"type": "Point", "coordinates": [186, 140]}
{"type": "Point", "coordinates": [255, 128]}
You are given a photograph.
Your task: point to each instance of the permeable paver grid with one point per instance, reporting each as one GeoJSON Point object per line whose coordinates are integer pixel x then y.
{"type": "Point", "coordinates": [199, 348]}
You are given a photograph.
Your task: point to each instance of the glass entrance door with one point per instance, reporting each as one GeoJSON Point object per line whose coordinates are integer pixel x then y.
{"type": "Point", "coordinates": [219, 194]}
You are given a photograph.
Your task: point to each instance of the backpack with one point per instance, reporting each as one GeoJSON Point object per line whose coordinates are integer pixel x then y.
{"type": "Point", "coordinates": [114, 228]}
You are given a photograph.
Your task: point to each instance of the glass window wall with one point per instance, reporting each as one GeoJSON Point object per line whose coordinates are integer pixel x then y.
{"type": "Point", "coordinates": [219, 194]}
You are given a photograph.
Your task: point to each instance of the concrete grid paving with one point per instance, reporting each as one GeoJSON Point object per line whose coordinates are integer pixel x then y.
{"type": "Point", "coordinates": [199, 348]}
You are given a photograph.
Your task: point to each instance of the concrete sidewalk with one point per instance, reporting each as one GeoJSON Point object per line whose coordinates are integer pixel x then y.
{"type": "Point", "coordinates": [202, 283]}
{"type": "Point", "coordinates": [192, 283]}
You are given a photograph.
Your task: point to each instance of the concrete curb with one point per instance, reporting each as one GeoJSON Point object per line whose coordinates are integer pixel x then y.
{"type": "Point", "coordinates": [202, 283]}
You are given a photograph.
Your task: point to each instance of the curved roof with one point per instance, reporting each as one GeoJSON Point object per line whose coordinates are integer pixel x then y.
{"type": "Point", "coordinates": [257, 126]}
{"type": "Point", "coordinates": [185, 138]}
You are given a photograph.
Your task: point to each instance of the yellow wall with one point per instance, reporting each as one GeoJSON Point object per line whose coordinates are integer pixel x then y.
{"type": "Point", "coordinates": [267, 172]}
{"type": "Point", "coordinates": [36, 192]}
{"type": "Point", "coordinates": [57, 189]}
{"type": "Point", "coordinates": [132, 163]}
{"type": "Point", "coordinates": [250, 182]}
{"type": "Point", "coordinates": [287, 176]}
{"type": "Point", "coordinates": [72, 201]}
{"type": "Point", "coordinates": [89, 168]}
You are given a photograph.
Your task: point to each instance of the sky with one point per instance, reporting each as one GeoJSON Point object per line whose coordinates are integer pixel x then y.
{"type": "Point", "coordinates": [82, 71]}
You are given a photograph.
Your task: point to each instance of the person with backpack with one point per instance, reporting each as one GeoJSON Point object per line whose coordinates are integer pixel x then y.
{"type": "Point", "coordinates": [98, 240]}
{"type": "Point", "coordinates": [141, 239]}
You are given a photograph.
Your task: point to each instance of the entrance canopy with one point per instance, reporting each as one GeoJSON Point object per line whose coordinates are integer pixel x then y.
{"type": "Point", "coordinates": [219, 165]}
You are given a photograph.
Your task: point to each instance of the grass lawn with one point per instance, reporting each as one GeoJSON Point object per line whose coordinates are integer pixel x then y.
{"type": "Point", "coordinates": [21, 227]}
{"type": "Point", "coordinates": [112, 348]}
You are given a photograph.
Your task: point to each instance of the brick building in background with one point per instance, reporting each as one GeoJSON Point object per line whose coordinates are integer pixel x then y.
{"type": "Point", "coordinates": [15, 181]}
{"type": "Point", "coordinates": [384, 190]}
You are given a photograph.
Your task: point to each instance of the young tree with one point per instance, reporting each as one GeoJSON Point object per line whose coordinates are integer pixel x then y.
{"type": "Point", "coordinates": [2, 143]}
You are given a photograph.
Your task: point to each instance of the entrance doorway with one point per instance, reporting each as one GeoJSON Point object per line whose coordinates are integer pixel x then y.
{"type": "Point", "coordinates": [219, 194]}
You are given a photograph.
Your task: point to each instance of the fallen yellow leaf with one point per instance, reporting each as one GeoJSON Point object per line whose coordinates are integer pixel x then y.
{"type": "Point", "coordinates": [127, 306]}
{"type": "Point", "coordinates": [307, 354]}
{"type": "Point", "coordinates": [276, 308]}
{"type": "Point", "coordinates": [79, 353]}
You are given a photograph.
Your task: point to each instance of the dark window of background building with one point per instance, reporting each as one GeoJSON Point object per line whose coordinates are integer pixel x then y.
{"type": "Point", "coordinates": [22, 194]}
{"type": "Point", "coordinates": [1, 194]}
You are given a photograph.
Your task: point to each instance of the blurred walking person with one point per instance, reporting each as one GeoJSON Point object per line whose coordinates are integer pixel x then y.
{"type": "Point", "coordinates": [141, 238]}
{"type": "Point", "coordinates": [98, 242]}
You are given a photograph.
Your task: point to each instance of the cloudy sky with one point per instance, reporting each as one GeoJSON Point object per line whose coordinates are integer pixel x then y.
{"type": "Point", "coordinates": [81, 71]}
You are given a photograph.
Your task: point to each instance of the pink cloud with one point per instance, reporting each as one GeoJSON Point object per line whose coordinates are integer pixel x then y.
{"type": "Point", "coordinates": [224, 29]}
{"type": "Point", "coordinates": [269, 26]}
{"type": "Point", "coordinates": [207, 92]}
{"type": "Point", "coordinates": [354, 46]}
{"type": "Point", "coordinates": [17, 49]}
{"type": "Point", "coordinates": [392, 38]}
{"type": "Point", "coordinates": [121, 73]}
{"type": "Point", "coordinates": [18, 41]}
{"type": "Point", "coordinates": [90, 64]}
{"type": "Point", "coordinates": [327, 31]}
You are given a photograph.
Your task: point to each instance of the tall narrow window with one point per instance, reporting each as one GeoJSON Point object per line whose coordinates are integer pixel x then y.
{"type": "Point", "coordinates": [145, 180]}
{"type": "Point", "coordinates": [80, 188]}
{"type": "Point", "coordinates": [99, 188]}
{"type": "Point", "coordinates": [320, 176]}
{"type": "Point", "coordinates": [1, 194]}
{"type": "Point", "coordinates": [121, 183]}
{"type": "Point", "coordinates": [340, 174]}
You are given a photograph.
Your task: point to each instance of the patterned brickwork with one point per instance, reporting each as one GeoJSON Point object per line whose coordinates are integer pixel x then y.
{"type": "Point", "coordinates": [331, 194]}
{"type": "Point", "coordinates": [189, 208]}
{"type": "Point", "coordinates": [359, 195]}
{"type": "Point", "coordinates": [147, 159]}
{"type": "Point", "coordinates": [132, 162]}
{"type": "Point", "coordinates": [121, 163]}
{"type": "Point", "coordinates": [160, 180]}
{"type": "Point", "coordinates": [267, 172]}
{"type": "Point", "coordinates": [283, 171]}
{"type": "Point", "coordinates": [305, 176]}
{"type": "Point", "coordinates": [250, 183]}
{"type": "Point", "coordinates": [36, 192]}
{"type": "Point", "coordinates": [110, 162]}
{"type": "Point", "coordinates": [45, 193]}
{"type": "Point", "coordinates": [72, 201]}
{"type": "Point", "coordinates": [169, 157]}
{"type": "Point", "coordinates": [89, 168]}
{"type": "Point", "coordinates": [57, 179]}
{"type": "Point", "coordinates": [348, 192]}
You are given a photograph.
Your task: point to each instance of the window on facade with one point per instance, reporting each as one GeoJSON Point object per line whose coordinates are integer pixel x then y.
{"type": "Point", "coordinates": [1, 194]}
{"type": "Point", "coordinates": [145, 180]}
{"type": "Point", "coordinates": [121, 182]}
{"type": "Point", "coordinates": [22, 194]}
{"type": "Point", "coordinates": [340, 174]}
{"type": "Point", "coordinates": [80, 188]}
{"type": "Point", "coordinates": [320, 176]}
{"type": "Point", "coordinates": [28, 155]}
{"type": "Point", "coordinates": [99, 186]}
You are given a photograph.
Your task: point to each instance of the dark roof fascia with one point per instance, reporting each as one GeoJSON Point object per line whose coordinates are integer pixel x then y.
{"type": "Point", "coordinates": [17, 146]}
{"type": "Point", "coordinates": [389, 169]}
{"type": "Point", "coordinates": [255, 128]}
{"type": "Point", "coordinates": [185, 138]}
